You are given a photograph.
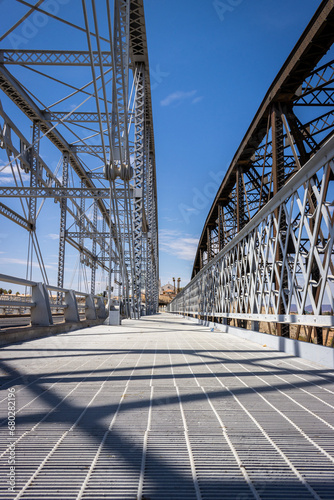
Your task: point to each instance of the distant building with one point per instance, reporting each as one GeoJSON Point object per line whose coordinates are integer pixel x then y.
{"type": "Point", "coordinates": [166, 289]}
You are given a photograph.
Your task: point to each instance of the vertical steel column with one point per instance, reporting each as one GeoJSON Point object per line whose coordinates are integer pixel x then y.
{"type": "Point", "coordinates": [34, 168]}
{"type": "Point", "coordinates": [240, 201]}
{"type": "Point", "coordinates": [103, 255]}
{"type": "Point", "coordinates": [93, 273]}
{"type": "Point", "coordinates": [150, 264]}
{"type": "Point", "coordinates": [200, 259]}
{"type": "Point", "coordinates": [278, 172]}
{"type": "Point", "coordinates": [82, 225]}
{"type": "Point", "coordinates": [120, 88]}
{"type": "Point", "coordinates": [121, 153]}
{"type": "Point", "coordinates": [208, 243]}
{"type": "Point", "coordinates": [138, 184]}
{"type": "Point", "coordinates": [62, 229]}
{"type": "Point", "coordinates": [221, 238]}
{"type": "Point", "coordinates": [154, 239]}
{"type": "Point", "coordinates": [240, 223]}
{"type": "Point", "coordinates": [32, 204]}
{"type": "Point", "coordinates": [145, 236]}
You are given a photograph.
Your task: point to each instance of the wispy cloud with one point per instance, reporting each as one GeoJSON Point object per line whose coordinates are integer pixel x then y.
{"type": "Point", "coordinates": [170, 219]}
{"type": "Point", "coordinates": [180, 245]}
{"type": "Point", "coordinates": [20, 262]}
{"type": "Point", "coordinates": [53, 236]}
{"type": "Point", "coordinates": [197, 99]}
{"type": "Point", "coordinates": [6, 175]}
{"type": "Point", "coordinates": [180, 96]}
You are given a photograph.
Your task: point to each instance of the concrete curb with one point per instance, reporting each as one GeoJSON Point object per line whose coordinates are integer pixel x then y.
{"type": "Point", "coordinates": [319, 354]}
{"type": "Point", "coordinates": [23, 334]}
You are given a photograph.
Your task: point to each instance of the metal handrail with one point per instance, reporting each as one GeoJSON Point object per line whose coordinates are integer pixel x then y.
{"type": "Point", "coordinates": [41, 305]}
{"type": "Point", "coordinates": [244, 281]}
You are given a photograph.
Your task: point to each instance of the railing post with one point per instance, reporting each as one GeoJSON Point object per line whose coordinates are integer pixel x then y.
{"type": "Point", "coordinates": [90, 307]}
{"type": "Point", "coordinates": [41, 311]}
{"type": "Point", "coordinates": [255, 326]}
{"type": "Point", "coordinates": [71, 312]}
{"type": "Point", "coordinates": [101, 309]}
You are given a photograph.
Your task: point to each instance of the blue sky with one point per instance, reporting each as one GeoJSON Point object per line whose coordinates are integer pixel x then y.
{"type": "Point", "coordinates": [211, 63]}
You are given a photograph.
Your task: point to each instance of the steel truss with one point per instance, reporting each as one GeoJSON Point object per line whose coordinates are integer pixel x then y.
{"type": "Point", "coordinates": [277, 144]}
{"type": "Point", "coordinates": [105, 180]}
{"type": "Point", "coordinates": [245, 281]}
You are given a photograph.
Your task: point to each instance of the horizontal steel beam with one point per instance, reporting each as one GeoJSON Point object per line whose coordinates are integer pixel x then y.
{"type": "Point", "coordinates": [53, 57]}
{"type": "Point", "coordinates": [58, 192]}
{"type": "Point", "coordinates": [94, 149]}
{"type": "Point", "coordinates": [16, 303]}
{"type": "Point", "coordinates": [78, 117]}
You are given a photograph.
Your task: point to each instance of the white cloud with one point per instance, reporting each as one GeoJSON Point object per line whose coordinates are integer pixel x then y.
{"type": "Point", "coordinates": [170, 219]}
{"type": "Point", "coordinates": [53, 236]}
{"type": "Point", "coordinates": [6, 180]}
{"type": "Point", "coordinates": [7, 175]}
{"type": "Point", "coordinates": [174, 243]}
{"type": "Point", "coordinates": [20, 262]}
{"type": "Point", "coordinates": [178, 97]}
{"type": "Point", "coordinates": [197, 99]}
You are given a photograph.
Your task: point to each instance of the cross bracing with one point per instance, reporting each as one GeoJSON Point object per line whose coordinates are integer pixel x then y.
{"type": "Point", "coordinates": [82, 106]}
{"type": "Point", "coordinates": [246, 280]}
{"type": "Point", "coordinates": [279, 133]}
{"type": "Point", "coordinates": [295, 278]}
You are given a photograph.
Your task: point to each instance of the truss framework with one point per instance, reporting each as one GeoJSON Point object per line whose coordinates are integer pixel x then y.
{"type": "Point", "coordinates": [246, 281]}
{"type": "Point", "coordinates": [273, 149]}
{"type": "Point", "coordinates": [277, 145]}
{"type": "Point", "coordinates": [96, 139]}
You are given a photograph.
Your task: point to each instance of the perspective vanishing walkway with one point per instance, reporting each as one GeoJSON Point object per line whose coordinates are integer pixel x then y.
{"type": "Point", "coordinates": [162, 408]}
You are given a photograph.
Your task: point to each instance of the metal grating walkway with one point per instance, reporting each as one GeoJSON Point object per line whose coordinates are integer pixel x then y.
{"type": "Point", "coordinates": [164, 409]}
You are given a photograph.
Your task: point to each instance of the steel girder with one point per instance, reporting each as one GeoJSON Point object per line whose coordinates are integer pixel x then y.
{"type": "Point", "coordinates": [58, 192]}
{"type": "Point", "coordinates": [300, 83]}
{"type": "Point", "coordinates": [246, 281]}
{"type": "Point", "coordinates": [107, 141]}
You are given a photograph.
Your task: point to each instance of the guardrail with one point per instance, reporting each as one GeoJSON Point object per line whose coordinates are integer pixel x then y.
{"type": "Point", "coordinates": [279, 268]}
{"type": "Point", "coordinates": [41, 304]}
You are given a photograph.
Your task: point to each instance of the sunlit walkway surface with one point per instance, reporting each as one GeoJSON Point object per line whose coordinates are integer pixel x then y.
{"type": "Point", "coordinates": [164, 409]}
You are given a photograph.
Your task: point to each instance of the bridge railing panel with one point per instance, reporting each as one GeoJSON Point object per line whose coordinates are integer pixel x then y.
{"type": "Point", "coordinates": [42, 304]}
{"type": "Point", "coordinates": [279, 269]}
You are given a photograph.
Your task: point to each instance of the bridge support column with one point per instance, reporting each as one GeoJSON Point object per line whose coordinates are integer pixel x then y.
{"type": "Point", "coordinates": [93, 272]}
{"type": "Point", "coordinates": [240, 223]}
{"type": "Point", "coordinates": [62, 230]}
{"type": "Point", "coordinates": [138, 182]}
{"type": "Point", "coordinates": [278, 173]}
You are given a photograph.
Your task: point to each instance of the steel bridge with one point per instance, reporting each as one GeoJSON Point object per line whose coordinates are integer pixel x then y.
{"type": "Point", "coordinates": [265, 257]}
{"type": "Point", "coordinates": [162, 408]}
{"type": "Point", "coordinates": [90, 149]}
